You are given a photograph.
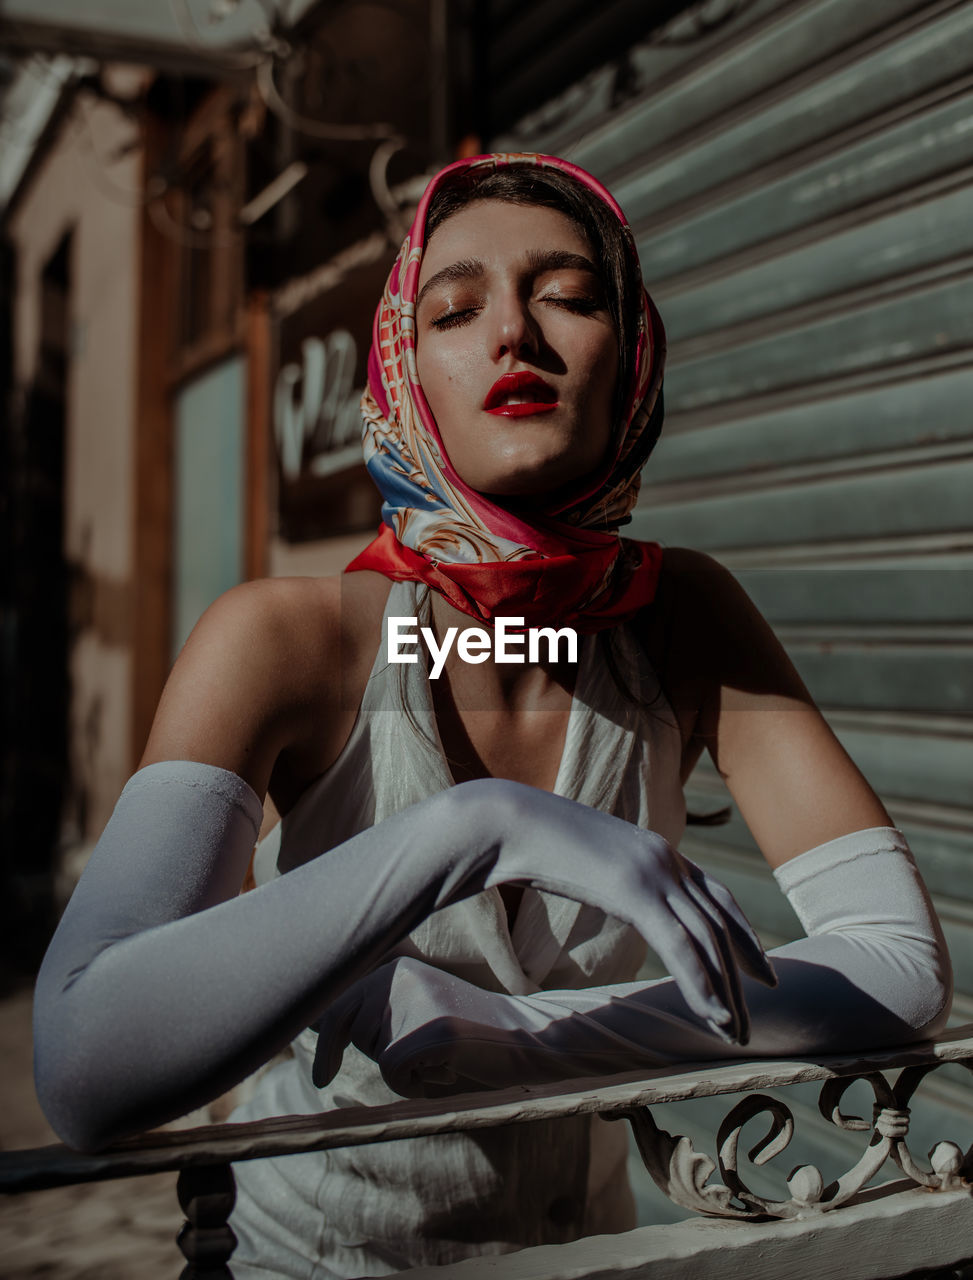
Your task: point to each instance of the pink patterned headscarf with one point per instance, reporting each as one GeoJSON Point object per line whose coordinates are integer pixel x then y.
{"type": "Point", "coordinates": [566, 566]}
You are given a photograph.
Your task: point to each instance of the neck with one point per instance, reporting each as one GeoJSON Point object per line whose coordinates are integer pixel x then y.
{"type": "Point", "coordinates": [498, 686]}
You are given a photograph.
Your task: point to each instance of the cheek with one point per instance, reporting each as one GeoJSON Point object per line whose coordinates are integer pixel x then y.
{"type": "Point", "coordinates": [438, 370]}
{"type": "Point", "coordinates": [602, 374]}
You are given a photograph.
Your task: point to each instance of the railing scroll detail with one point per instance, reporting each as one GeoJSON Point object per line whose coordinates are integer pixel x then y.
{"type": "Point", "coordinates": [684, 1174]}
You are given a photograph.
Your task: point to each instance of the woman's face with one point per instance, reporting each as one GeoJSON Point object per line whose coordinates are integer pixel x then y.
{"type": "Point", "coordinates": [516, 351]}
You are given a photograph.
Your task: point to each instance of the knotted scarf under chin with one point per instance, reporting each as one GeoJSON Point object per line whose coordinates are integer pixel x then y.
{"type": "Point", "coordinates": [565, 567]}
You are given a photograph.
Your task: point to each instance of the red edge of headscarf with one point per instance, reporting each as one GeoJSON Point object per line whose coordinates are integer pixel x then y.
{"type": "Point", "coordinates": [529, 589]}
{"type": "Point", "coordinates": [476, 589]}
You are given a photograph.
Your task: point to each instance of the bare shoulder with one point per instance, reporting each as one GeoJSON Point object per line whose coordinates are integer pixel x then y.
{"type": "Point", "coordinates": [703, 635]}
{"type": "Point", "coordinates": [273, 633]}
{"type": "Point", "coordinates": [695, 583]}
{"type": "Point", "coordinates": [263, 671]}
{"type": "Point", "coordinates": [698, 606]}
{"type": "Point", "coordinates": [791, 779]}
{"type": "Point", "coordinates": [288, 635]}
{"type": "Point", "coordinates": [715, 634]}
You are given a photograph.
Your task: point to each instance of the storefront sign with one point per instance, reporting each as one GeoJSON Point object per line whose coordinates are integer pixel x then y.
{"type": "Point", "coordinates": [321, 360]}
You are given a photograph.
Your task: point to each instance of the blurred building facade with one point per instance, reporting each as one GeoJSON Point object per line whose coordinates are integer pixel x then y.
{"type": "Point", "coordinates": [198, 213]}
{"type": "Point", "coordinates": [72, 307]}
{"type": "Point", "coordinates": [193, 247]}
{"type": "Point", "coordinates": [144, 248]}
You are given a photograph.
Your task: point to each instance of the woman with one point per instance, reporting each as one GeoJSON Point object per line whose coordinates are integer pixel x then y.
{"type": "Point", "coordinates": [514, 395]}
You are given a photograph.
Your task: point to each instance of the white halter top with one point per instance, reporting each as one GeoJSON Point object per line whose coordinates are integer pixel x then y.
{"type": "Point", "coordinates": [379, 1209]}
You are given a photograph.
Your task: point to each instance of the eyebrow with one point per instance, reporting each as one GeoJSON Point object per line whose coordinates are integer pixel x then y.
{"type": "Point", "coordinates": [467, 269]}
{"type": "Point", "coordinates": [539, 261]}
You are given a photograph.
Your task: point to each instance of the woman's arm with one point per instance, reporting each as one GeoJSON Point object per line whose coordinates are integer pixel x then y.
{"type": "Point", "coordinates": [265, 685]}
{"type": "Point", "coordinates": [162, 988]}
{"type": "Point", "coordinates": [873, 969]}
{"type": "Point", "coordinates": [793, 782]}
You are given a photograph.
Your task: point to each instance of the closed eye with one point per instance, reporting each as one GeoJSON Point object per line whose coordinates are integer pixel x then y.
{"type": "Point", "coordinates": [581, 306]}
{"type": "Point", "coordinates": [453, 319]}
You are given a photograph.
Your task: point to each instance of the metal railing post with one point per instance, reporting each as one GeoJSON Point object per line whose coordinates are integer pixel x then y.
{"type": "Point", "coordinates": [207, 1194]}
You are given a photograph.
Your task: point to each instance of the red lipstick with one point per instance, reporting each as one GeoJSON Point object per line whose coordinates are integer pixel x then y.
{"type": "Point", "coordinates": [516, 395]}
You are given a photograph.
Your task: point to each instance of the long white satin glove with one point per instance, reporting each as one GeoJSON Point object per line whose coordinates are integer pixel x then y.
{"type": "Point", "coordinates": [161, 989]}
{"type": "Point", "coordinates": [874, 971]}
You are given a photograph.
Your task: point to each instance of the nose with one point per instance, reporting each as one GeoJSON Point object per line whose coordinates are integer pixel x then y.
{"type": "Point", "coordinates": [517, 331]}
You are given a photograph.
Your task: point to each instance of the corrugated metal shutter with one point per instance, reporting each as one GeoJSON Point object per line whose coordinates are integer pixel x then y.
{"type": "Point", "coordinates": [800, 179]}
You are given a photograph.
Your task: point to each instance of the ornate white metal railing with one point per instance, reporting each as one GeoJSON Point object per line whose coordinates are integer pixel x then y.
{"type": "Point", "coordinates": [931, 1232]}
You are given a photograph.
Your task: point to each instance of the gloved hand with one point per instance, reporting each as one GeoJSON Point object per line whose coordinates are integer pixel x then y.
{"type": "Point", "coordinates": [873, 971]}
{"type": "Point", "coordinates": [689, 919]}
{"type": "Point", "coordinates": [433, 1034]}
{"type": "Point", "coordinates": [162, 988]}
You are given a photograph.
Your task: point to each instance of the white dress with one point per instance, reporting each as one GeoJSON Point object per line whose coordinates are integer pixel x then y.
{"type": "Point", "coordinates": [378, 1209]}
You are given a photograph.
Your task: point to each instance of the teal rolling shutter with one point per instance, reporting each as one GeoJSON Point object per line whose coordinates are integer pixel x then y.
{"type": "Point", "coordinates": [800, 181]}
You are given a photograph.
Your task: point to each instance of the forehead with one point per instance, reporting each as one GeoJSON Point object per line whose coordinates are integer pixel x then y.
{"type": "Point", "coordinates": [501, 235]}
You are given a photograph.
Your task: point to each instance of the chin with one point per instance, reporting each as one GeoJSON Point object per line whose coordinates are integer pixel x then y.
{"type": "Point", "coordinates": [524, 479]}
{"type": "Point", "coordinates": [533, 492]}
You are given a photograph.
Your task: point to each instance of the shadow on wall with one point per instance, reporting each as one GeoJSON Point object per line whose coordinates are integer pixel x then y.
{"type": "Point", "coordinates": [33, 764]}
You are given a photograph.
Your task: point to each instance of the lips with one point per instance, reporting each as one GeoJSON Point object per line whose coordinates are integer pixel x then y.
{"type": "Point", "coordinates": [516, 395]}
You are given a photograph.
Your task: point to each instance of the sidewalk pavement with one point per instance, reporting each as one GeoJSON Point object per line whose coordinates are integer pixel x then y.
{"type": "Point", "coordinates": [98, 1231]}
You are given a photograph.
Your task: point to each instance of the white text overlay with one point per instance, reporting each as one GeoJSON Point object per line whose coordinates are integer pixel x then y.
{"type": "Point", "coordinates": [508, 642]}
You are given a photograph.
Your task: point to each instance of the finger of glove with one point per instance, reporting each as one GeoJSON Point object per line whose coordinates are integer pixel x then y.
{"type": "Point", "coordinates": [689, 951]}
{"type": "Point", "coordinates": [334, 1035]}
{"type": "Point", "coordinates": [356, 1017]}
{"type": "Point", "coordinates": [383, 1008]}
{"type": "Point", "coordinates": [418, 1069]}
{"type": "Point", "coordinates": [749, 952]}
{"type": "Point", "coordinates": [727, 954]}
